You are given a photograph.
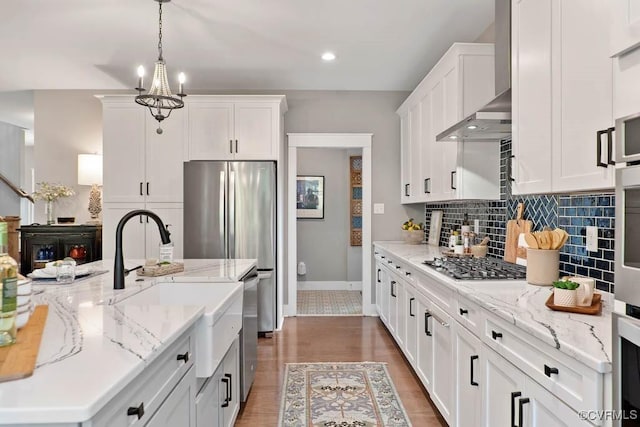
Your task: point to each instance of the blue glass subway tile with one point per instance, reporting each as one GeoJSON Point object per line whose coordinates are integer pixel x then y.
{"type": "Point", "coordinates": [608, 277]}
{"type": "Point", "coordinates": [595, 211]}
{"type": "Point", "coordinates": [603, 222]}
{"type": "Point", "coordinates": [588, 222]}
{"type": "Point", "coordinates": [564, 220]}
{"type": "Point", "coordinates": [564, 258]}
{"type": "Point", "coordinates": [604, 201]}
{"type": "Point", "coordinates": [596, 274]}
{"type": "Point", "coordinates": [570, 268]}
{"type": "Point", "coordinates": [571, 212]}
{"type": "Point", "coordinates": [576, 240]}
{"type": "Point", "coordinates": [582, 271]}
{"type": "Point", "coordinates": [576, 220]}
{"type": "Point", "coordinates": [602, 265]}
{"type": "Point", "coordinates": [581, 250]}
{"type": "Point", "coordinates": [610, 212]}
{"type": "Point", "coordinates": [582, 211]}
{"type": "Point", "coordinates": [608, 255]}
{"type": "Point", "coordinates": [576, 260]}
{"type": "Point", "coordinates": [570, 249]}
{"type": "Point", "coordinates": [602, 286]}
{"type": "Point", "coordinates": [605, 244]}
{"type": "Point", "coordinates": [576, 201]}
{"type": "Point", "coordinates": [564, 201]}
{"type": "Point", "coordinates": [588, 262]}
{"type": "Point", "coordinates": [608, 233]}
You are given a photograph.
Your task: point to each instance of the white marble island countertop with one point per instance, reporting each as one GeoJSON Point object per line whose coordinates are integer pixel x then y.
{"type": "Point", "coordinates": [92, 347]}
{"type": "Point", "coordinates": [586, 338]}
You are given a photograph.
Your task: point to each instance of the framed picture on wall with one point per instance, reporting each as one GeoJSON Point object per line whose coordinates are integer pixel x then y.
{"type": "Point", "coordinates": [310, 197]}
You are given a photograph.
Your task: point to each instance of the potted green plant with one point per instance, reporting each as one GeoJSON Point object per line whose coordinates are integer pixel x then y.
{"type": "Point", "coordinates": [565, 293]}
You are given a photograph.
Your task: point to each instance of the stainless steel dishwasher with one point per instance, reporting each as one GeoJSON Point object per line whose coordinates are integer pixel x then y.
{"type": "Point", "coordinates": [249, 333]}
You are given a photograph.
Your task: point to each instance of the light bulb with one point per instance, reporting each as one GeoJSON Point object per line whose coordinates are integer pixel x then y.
{"type": "Point", "coordinates": [140, 71]}
{"type": "Point", "coordinates": [182, 78]}
{"type": "Point", "coordinates": [328, 56]}
{"type": "Point", "coordinates": [140, 78]}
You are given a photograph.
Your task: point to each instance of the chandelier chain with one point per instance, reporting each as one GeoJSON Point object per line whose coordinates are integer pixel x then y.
{"type": "Point", "coordinates": [160, 31]}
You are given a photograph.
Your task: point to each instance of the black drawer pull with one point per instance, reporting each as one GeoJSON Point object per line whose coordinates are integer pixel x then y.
{"type": "Point", "coordinates": [184, 357]}
{"type": "Point", "coordinates": [453, 187]}
{"type": "Point", "coordinates": [231, 146]}
{"type": "Point", "coordinates": [463, 311]}
{"type": "Point", "coordinates": [610, 146]}
{"type": "Point", "coordinates": [511, 178]}
{"type": "Point", "coordinates": [427, 332]}
{"type": "Point", "coordinates": [548, 371]}
{"type": "Point", "coordinates": [514, 396]}
{"type": "Point", "coordinates": [496, 335]}
{"type": "Point", "coordinates": [139, 411]}
{"type": "Point", "coordinates": [236, 145]}
{"type": "Point", "coordinates": [472, 382]}
{"type": "Point", "coordinates": [389, 262]}
{"type": "Point", "coordinates": [427, 184]}
{"type": "Point", "coordinates": [411, 300]}
{"type": "Point", "coordinates": [393, 289]}
{"type": "Point", "coordinates": [397, 267]}
{"type": "Point", "coordinates": [599, 161]}
{"type": "Point", "coordinates": [141, 189]}
{"type": "Point", "coordinates": [382, 256]}
{"type": "Point", "coordinates": [378, 275]}
{"type": "Point", "coordinates": [407, 273]}
{"type": "Point", "coordinates": [406, 190]}
{"type": "Point", "coordinates": [521, 403]}
{"type": "Point", "coordinates": [230, 387]}
{"type": "Point", "coordinates": [147, 188]}
{"type": "Point", "coordinates": [225, 404]}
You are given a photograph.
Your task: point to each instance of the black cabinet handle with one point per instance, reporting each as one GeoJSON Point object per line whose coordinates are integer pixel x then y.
{"type": "Point", "coordinates": [406, 189]}
{"type": "Point", "coordinates": [393, 289]}
{"type": "Point", "coordinates": [610, 146]}
{"type": "Point", "coordinates": [378, 276]}
{"type": "Point", "coordinates": [389, 262]}
{"type": "Point", "coordinates": [427, 315]}
{"type": "Point", "coordinates": [463, 311]}
{"type": "Point", "coordinates": [236, 145]}
{"type": "Point", "coordinates": [453, 187]}
{"type": "Point", "coordinates": [139, 411]}
{"type": "Point", "coordinates": [496, 335]}
{"type": "Point", "coordinates": [514, 396]}
{"type": "Point", "coordinates": [471, 380]}
{"type": "Point", "coordinates": [599, 161]}
{"type": "Point", "coordinates": [231, 146]}
{"type": "Point", "coordinates": [521, 403]}
{"type": "Point", "coordinates": [397, 267]}
{"type": "Point", "coordinates": [548, 371]}
{"type": "Point", "coordinates": [510, 166]}
{"type": "Point", "coordinates": [229, 387]}
{"type": "Point", "coordinates": [411, 300]}
{"type": "Point", "coordinates": [184, 357]}
{"type": "Point", "coordinates": [382, 256]}
{"type": "Point", "coordinates": [147, 188]}
{"type": "Point", "coordinates": [225, 380]}
{"type": "Point", "coordinates": [427, 185]}
{"type": "Point", "coordinates": [141, 190]}
{"type": "Point", "coordinates": [407, 273]}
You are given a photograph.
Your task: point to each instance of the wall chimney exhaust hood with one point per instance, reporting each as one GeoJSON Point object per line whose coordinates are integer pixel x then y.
{"type": "Point", "coordinates": [493, 121]}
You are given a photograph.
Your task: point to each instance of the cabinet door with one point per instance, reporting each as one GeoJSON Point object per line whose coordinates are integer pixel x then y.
{"type": "Point", "coordinates": [584, 89]}
{"type": "Point", "coordinates": [179, 408]}
{"type": "Point", "coordinates": [256, 131]}
{"type": "Point", "coordinates": [532, 105]}
{"type": "Point", "coordinates": [415, 136]}
{"type": "Point", "coordinates": [230, 388]}
{"type": "Point", "coordinates": [385, 295]}
{"type": "Point", "coordinates": [468, 378]}
{"type": "Point", "coordinates": [210, 131]}
{"type": "Point", "coordinates": [401, 315]}
{"type": "Point", "coordinates": [502, 386]}
{"type": "Point", "coordinates": [542, 409]}
{"type": "Point", "coordinates": [443, 386]}
{"type": "Point", "coordinates": [171, 216]}
{"type": "Point", "coordinates": [411, 317]}
{"type": "Point", "coordinates": [393, 306]}
{"type": "Point", "coordinates": [123, 127]}
{"type": "Point", "coordinates": [378, 287]}
{"type": "Point", "coordinates": [424, 183]}
{"type": "Point", "coordinates": [78, 246]}
{"type": "Point", "coordinates": [451, 95]}
{"type": "Point", "coordinates": [163, 182]}
{"type": "Point", "coordinates": [425, 343]}
{"type": "Point", "coordinates": [208, 410]}
{"type": "Point", "coordinates": [133, 234]}
{"type": "Point", "coordinates": [405, 159]}
{"type": "Point", "coordinates": [624, 26]}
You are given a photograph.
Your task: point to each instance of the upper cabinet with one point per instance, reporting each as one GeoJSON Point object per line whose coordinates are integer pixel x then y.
{"type": "Point", "coordinates": [625, 26]}
{"type": "Point", "coordinates": [235, 127]}
{"type": "Point", "coordinates": [561, 96]}
{"type": "Point", "coordinates": [141, 165]}
{"type": "Point", "coordinates": [458, 85]}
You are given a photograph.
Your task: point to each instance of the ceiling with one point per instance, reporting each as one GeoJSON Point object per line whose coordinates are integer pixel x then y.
{"type": "Point", "coordinates": [242, 44]}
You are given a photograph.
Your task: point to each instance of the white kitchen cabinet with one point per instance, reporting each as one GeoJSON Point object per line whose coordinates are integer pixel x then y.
{"type": "Point", "coordinates": [405, 159]}
{"type": "Point", "coordinates": [141, 237]}
{"type": "Point", "coordinates": [625, 26]}
{"type": "Point", "coordinates": [209, 401]}
{"type": "Point", "coordinates": [179, 407]}
{"type": "Point", "coordinates": [235, 127]}
{"type": "Point", "coordinates": [394, 285]}
{"type": "Point", "coordinates": [139, 165]}
{"type": "Point", "coordinates": [402, 312]}
{"type": "Point", "coordinates": [468, 377]}
{"type": "Point", "coordinates": [424, 358]}
{"type": "Point", "coordinates": [561, 96]}
{"type": "Point", "coordinates": [384, 288]}
{"type": "Point", "coordinates": [442, 388]}
{"type": "Point", "coordinates": [411, 328]}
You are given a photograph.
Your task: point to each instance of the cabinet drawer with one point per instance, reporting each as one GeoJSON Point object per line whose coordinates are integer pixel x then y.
{"type": "Point", "coordinates": [469, 314]}
{"type": "Point", "coordinates": [149, 389]}
{"type": "Point", "coordinates": [575, 384]}
{"type": "Point", "coordinates": [436, 292]}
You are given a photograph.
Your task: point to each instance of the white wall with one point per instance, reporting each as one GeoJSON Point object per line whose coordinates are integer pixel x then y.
{"type": "Point", "coordinates": [11, 160]}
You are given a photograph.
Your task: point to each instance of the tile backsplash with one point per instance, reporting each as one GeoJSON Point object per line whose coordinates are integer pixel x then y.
{"type": "Point", "coordinates": [572, 212]}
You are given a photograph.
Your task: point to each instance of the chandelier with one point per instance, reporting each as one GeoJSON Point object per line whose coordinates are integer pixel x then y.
{"type": "Point", "coordinates": [160, 101]}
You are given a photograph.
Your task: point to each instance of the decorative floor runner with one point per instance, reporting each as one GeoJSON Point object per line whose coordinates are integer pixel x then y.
{"type": "Point", "coordinates": [329, 303]}
{"type": "Point", "coordinates": [340, 394]}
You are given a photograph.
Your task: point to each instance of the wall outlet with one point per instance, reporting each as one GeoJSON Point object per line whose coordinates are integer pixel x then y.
{"type": "Point", "coordinates": [378, 208]}
{"type": "Point", "coordinates": [592, 239]}
{"type": "Point", "coordinates": [476, 226]}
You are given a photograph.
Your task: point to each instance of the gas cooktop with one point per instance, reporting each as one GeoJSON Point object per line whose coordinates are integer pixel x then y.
{"type": "Point", "coordinates": [469, 268]}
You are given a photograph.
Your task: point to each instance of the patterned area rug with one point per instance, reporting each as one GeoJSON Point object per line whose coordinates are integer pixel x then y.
{"type": "Point", "coordinates": [329, 303]}
{"type": "Point", "coordinates": [340, 394]}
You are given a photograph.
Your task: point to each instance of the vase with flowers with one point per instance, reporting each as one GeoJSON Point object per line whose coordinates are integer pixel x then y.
{"type": "Point", "coordinates": [49, 193]}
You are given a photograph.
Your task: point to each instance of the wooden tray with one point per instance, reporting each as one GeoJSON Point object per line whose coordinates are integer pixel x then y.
{"type": "Point", "coordinates": [596, 306]}
{"type": "Point", "coordinates": [18, 360]}
{"type": "Point", "coordinates": [455, 255]}
{"type": "Point", "coordinates": [161, 270]}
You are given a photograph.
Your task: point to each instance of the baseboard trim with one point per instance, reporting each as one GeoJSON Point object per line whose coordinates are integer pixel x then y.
{"type": "Point", "coordinates": [329, 286]}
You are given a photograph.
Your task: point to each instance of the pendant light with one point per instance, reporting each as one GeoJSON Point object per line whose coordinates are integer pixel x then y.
{"type": "Point", "coordinates": [160, 101]}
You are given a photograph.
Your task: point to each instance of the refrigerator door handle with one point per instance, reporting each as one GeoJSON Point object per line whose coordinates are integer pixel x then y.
{"type": "Point", "coordinates": [221, 212]}
{"type": "Point", "coordinates": [232, 215]}
{"type": "Point", "coordinates": [265, 274]}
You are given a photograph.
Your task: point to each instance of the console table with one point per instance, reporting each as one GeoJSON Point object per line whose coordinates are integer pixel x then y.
{"type": "Point", "coordinates": [43, 243]}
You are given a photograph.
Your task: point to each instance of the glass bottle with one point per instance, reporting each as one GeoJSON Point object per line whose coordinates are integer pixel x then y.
{"type": "Point", "coordinates": [8, 290]}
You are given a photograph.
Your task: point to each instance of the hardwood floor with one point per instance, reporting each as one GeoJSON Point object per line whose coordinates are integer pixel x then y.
{"type": "Point", "coordinates": [331, 339]}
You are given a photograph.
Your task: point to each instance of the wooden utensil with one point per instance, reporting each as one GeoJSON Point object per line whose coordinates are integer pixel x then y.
{"type": "Point", "coordinates": [514, 228]}
{"type": "Point", "coordinates": [544, 240]}
{"type": "Point", "coordinates": [18, 360]}
{"type": "Point", "coordinates": [532, 242]}
{"type": "Point", "coordinates": [484, 242]}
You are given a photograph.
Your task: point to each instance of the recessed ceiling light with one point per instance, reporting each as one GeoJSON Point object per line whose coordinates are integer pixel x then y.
{"type": "Point", "coordinates": [328, 56]}
{"type": "Point", "coordinates": [472, 127]}
{"type": "Point", "coordinates": [453, 137]}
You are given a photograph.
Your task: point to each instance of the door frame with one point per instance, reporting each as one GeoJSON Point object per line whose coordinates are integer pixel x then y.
{"type": "Point", "coordinates": [328, 140]}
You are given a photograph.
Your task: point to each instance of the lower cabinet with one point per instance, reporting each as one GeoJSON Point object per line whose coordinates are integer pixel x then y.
{"type": "Point", "coordinates": [218, 400]}
{"type": "Point", "coordinates": [469, 377]}
{"type": "Point", "coordinates": [179, 408]}
{"type": "Point", "coordinates": [411, 319]}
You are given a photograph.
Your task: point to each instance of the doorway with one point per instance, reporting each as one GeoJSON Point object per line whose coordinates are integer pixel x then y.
{"type": "Point", "coordinates": [350, 143]}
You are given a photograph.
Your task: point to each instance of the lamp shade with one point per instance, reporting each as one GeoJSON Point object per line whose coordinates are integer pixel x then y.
{"type": "Point", "coordinates": [89, 169]}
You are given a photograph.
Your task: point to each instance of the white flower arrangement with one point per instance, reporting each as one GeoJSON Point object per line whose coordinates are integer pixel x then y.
{"type": "Point", "coordinates": [52, 192]}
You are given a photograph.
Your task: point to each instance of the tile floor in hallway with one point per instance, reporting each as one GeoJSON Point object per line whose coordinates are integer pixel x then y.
{"type": "Point", "coordinates": [331, 339]}
{"type": "Point", "coordinates": [329, 303]}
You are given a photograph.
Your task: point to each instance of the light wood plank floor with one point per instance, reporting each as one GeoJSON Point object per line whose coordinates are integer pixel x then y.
{"type": "Point", "coordinates": [331, 339]}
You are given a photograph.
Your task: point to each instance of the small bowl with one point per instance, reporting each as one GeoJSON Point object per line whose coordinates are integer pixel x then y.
{"type": "Point", "coordinates": [24, 287]}
{"type": "Point", "coordinates": [66, 219]}
{"type": "Point", "coordinates": [22, 318]}
{"type": "Point", "coordinates": [23, 300]}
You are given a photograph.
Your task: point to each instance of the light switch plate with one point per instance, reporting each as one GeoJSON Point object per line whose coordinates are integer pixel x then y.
{"type": "Point", "coordinates": [592, 239]}
{"type": "Point", "coordinates": [378, 208]}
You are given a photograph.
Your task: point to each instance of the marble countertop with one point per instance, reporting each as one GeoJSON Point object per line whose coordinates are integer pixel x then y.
{"type": "Point", "coordinates": [92, 347]}
{"type": "Point", "coordinates": [586, 338]}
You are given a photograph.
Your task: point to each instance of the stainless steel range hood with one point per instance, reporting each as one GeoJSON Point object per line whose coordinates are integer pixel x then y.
{"type": "Point", "coordinates": [493, 121]}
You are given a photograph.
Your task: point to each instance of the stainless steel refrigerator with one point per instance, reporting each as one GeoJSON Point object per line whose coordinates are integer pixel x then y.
{"type": "Point", "coordinates": [230, 212]}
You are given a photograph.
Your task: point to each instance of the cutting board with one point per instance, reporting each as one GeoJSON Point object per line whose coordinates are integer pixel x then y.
{"type": "Point", "coordinates": [17, 361]}
{"type": "Point", "coordinates": [161, 270]}
{"type": "Point", "coordinates": [514, 228]}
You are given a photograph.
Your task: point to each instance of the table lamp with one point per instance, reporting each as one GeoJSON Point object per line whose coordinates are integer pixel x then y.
{"type": "Point", "coordinates": [90, 173]}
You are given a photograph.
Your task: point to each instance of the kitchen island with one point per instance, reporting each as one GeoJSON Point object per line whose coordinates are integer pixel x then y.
{"type": "Point", "coordinates": [95, 344]}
